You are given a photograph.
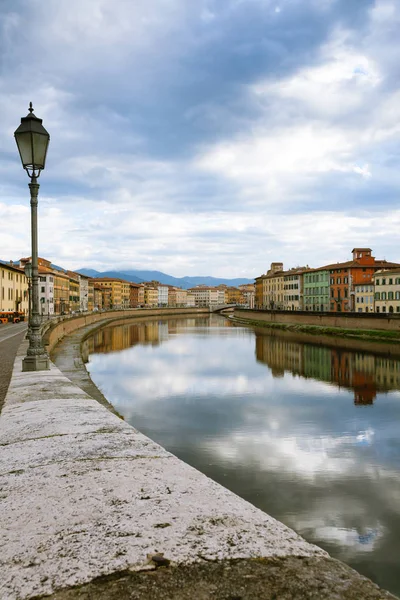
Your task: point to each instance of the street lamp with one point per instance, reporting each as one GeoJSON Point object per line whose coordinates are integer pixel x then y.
{"type": "Point", "coordinates": [32, 141]}
{"type": "Point", "coordinates": [28, 275]}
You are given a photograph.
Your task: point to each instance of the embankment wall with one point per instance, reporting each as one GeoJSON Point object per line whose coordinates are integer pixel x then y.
{"type": "Point", "coordinates": [365, 321]}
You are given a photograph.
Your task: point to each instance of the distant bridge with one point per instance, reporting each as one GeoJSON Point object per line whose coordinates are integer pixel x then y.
{"type": "Point", "coordinates": [222, 307]}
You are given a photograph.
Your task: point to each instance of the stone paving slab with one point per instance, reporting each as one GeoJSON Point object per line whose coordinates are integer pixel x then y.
{"type": "Point", "coordinates": [56, 417]}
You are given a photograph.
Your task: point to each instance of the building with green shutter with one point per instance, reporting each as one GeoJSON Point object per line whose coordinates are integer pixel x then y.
{"type": "Point", "coordinates": [316, 290]}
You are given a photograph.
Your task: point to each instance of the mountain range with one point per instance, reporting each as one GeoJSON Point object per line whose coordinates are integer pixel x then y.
{"type": "Point", "coordinates": [138, 276]}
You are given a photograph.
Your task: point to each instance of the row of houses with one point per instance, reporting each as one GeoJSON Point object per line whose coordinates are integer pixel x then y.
{"type": "Point", "coordinates": [64, 292]}
{"type": "Point", "coordinates": [362, 284]}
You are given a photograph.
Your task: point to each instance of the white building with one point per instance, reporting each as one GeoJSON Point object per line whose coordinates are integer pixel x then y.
{"type": "Point", "coordinates": [190, 300]}
{"type": "Point", "coordinates": [387, 291]}
{"type": "Point", "coordinates": [83, 292]}
{"type": "Point", "coordinates": [162, 295]}
{"type": "Point", "coordinates": [205, 296]}
{"type": "Point", "coordinates": [46, 291]}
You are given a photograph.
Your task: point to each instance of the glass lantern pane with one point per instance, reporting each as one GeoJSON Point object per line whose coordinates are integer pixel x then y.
{"type": "Point", "coordinates": [39, 150]}
{"type": "Point", "coordinates": [25, 147]}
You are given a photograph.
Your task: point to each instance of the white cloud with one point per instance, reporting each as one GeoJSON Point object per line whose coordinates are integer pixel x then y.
{"type": "Point", "coordinates": [129, 186]}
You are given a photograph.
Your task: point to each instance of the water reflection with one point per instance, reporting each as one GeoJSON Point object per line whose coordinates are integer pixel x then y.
{"type": "Point", "coordinates": [312, 439]}
{"type": "Point", "coordinates": [365, 374]}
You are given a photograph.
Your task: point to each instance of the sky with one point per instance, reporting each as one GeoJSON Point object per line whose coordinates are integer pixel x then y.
{"type": "Point", "coordinates": [207, 137]}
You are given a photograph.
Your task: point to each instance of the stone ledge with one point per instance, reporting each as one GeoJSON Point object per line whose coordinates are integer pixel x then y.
{"type": "Point", "coordinates": [267, 579]}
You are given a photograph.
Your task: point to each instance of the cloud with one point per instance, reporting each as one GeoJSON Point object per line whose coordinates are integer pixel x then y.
{"type": "Point", "coordinates": [178, 128]}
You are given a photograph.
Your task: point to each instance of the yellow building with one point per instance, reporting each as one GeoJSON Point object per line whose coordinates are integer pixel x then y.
{"type": "Point", "coordinates": [233, 295]}
{"type": "Point", "coordinates": [74, 293]}
{"type": "Point", "coordinates": [270, 288]}
{"type": "Point", "coordinates": [364, 296]}
{"type": "Point", "coordinates": [61, 293]}
{"type": "Point", "coordinates": [150, 296]}
{"type": "Point", "coordinates": [119, 290]}
{"type": "Point", "coordinates": [90, 304]}
{"type": "Point", "coordinates": [13, 289]}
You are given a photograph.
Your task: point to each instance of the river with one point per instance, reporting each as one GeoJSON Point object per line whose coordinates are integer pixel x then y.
{"type": "Point", "coordinates": [307, 432]}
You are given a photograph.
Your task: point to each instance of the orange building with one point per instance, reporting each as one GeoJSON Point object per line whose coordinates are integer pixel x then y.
{"type": "Point", "coordinates": [344, 276]}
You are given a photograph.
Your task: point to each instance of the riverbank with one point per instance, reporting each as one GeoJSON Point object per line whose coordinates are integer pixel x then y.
{"type": "Point", "coordinates": [93, 508]}
{"type": "Point", "coordinates": [379, 335]}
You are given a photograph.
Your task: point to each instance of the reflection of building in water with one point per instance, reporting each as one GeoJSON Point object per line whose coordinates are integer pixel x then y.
{"type": "Point", "coordinates": [387, 373]}
{"type": "Point", "coordinates": [365, 374]}
{"type": "Point", "coordinates": [119, 337]}
{"type": "Point", "coordinates": [116, 338]}
{"type": "Point", "coordinates": [316, 362]}
{"type": "Point", "coordinates": [279, 354]}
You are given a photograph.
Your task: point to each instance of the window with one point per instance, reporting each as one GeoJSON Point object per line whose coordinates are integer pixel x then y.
{"type": "Point", "coordinates": [390, 281]}
{"type": "Point", "coordinates": [42, 289]}
{"type": "Point", "coordinates": [339, 281]}
{"type": "Point", "coordinates": [376, 281]}
{"type": "Point", "coordinates": [377, 296]}
{"type": "Point", "coordinates": [390, 295]}
{"type": "Point", "coordinates": [397, 295]}
{"type": "Point", "coordinates": [383, 281]}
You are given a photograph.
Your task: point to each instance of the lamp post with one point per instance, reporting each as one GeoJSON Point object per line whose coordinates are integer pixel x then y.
{"type": "Point", "coordinates": [28, 275]}
{"type": "Point", "coordinates": [32, 141]}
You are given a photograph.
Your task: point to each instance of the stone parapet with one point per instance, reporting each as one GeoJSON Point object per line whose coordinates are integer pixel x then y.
{"type": "Point", "coordinates": [364, 321]}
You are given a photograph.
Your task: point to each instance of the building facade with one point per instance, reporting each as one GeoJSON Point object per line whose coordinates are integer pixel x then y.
{"type": "Point", "coordinates": [162, 295]}
{"type": "Point", "coordinates": [119, 291]}
{"type": "Point", "coordinates": [205, 296]}
{"type": "Point", "coordinates": [387, 291]}
{"type": "Point", "coordinates": [13, 289]}
{"type": "Point", "coordinates": [316, 290]}
{"type": "Point", "coordinates": [364, 296]}
{"type": "Point", "coordinates": [293, 289]}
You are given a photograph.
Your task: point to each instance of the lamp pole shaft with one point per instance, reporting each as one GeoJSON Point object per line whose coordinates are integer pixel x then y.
{"type": "Point", "coordinates": [34, 189]}
{"type": "Point", "coordinates": [36, 358]}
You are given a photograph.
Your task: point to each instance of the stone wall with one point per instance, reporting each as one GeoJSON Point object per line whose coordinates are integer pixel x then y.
{"type": "Point", "coordinates": [341, 320]}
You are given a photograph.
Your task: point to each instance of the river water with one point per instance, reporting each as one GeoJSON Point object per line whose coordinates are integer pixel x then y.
{"type": "Point", "coordinates": [305, 429]}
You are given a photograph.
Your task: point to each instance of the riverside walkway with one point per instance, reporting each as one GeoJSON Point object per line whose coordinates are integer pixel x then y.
{"type": "Point", "coordinates": [91, 508]}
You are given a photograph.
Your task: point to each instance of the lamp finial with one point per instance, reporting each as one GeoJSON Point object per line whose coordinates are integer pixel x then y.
{"type": "Point", "coordinates": [30, 107]}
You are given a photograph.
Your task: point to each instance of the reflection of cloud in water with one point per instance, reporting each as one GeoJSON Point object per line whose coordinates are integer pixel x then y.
{"type": "Point", "coordinates": [307, 457]}
{"type": "Point", "coordinates": [178, 370]}
{"type": "Point", "coordinates": [351, 540]}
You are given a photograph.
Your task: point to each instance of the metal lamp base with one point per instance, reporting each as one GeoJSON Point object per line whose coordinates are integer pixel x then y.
{"type": "Point", "coordinates": [36, 363]}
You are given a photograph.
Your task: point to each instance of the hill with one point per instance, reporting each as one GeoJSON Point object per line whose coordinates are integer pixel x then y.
{"type": "Point", "coordinates": [138, 276]}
